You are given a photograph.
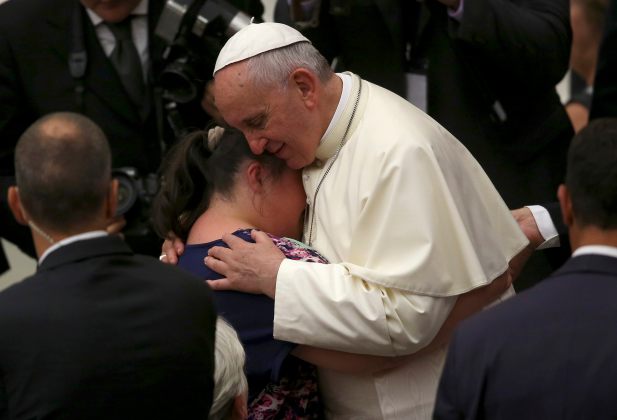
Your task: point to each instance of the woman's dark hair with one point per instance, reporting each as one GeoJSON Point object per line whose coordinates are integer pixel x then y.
{"type": "Point", "coordinates": [192, 173]}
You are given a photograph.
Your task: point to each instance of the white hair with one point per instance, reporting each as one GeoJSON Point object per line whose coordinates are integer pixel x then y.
{"type": "Point", "coordinates": [229, 378]}
{"type": "Point", "coordinates": [273, 68]}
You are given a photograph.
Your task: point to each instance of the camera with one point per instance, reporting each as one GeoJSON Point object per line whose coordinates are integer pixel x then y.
{"type": "Point", "coordinates": [194, 31]}
{"type": "Point", "coordinates": [135, 196]}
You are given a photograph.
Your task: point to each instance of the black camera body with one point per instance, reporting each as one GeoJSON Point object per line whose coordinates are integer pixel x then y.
{"type": "Point", "coordinates": [135, 196]}
{"type": "Point", "coordinates": [194, 31]}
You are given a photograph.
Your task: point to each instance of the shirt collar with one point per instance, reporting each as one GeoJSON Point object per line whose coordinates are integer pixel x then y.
{"type": "Point", "coordinates": [79, 237]}
{"type": "Point", "coordinates": [609, 251]}
{"type": "Point", "coordinates": [346, 78]}
{"type": "Point", "coordinates": [140, 10]}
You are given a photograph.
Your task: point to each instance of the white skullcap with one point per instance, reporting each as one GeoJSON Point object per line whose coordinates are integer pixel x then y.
{"type": "Point", "coordinates": [255, 39]}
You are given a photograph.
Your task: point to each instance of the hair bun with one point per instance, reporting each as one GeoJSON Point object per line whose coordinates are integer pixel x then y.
{"type": "Point", "coordinates": [215, 135]}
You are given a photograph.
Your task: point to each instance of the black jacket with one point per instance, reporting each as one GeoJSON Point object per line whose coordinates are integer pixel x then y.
{"type": "Point", "coordinates": [548, 353]}
{"type": "Point", "coordinates": [101, 333]}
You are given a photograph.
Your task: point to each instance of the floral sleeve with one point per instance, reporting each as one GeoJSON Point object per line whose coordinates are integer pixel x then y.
{"type": "Point", "coordinates": [296, 250]}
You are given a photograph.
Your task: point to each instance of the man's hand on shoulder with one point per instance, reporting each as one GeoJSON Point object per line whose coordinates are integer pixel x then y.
{"type": "Point", "coordinates": [247, 267]}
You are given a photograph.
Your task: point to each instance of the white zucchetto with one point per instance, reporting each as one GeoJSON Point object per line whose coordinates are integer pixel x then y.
{"type": "Point", "coordinates": [255, 39]}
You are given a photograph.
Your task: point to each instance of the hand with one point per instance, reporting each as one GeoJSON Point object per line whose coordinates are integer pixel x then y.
{"type": "Point", "coordinates": [115, 225]}
{"type": "Point", "coordinates": [171, 250]}
{"type": "Point", "coordinates": [247, 267]}
{"type": "Point", "coordinates": [527, 223]}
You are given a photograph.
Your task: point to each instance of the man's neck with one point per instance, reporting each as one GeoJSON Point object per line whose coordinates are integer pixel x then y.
{"type": "Point", "coordinates": [63, 240]}
{"type": "Point", "coordinates": [592, 235]}
{"type": "Point", "coordinates": [45, 238]}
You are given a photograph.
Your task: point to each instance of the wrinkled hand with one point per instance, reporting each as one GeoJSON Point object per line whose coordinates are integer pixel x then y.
{"type": "Point", "coordinates": [115, 225]}
{"type": "Point", "coordinates": [527, 223]}
{"type": "Point", "coordinates": [247, 267]}
{"type": "Point", "coordinates": [172, 248]}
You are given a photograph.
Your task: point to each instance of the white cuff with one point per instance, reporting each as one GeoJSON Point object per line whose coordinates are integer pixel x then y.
{"type": "Point", "coordinates": [546, 227]}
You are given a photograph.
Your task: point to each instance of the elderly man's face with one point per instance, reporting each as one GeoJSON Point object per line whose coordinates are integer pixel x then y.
{"type": "Point", "coordinates": [273, 120]}
{"type": "Point", "coordinates": [111, 10]}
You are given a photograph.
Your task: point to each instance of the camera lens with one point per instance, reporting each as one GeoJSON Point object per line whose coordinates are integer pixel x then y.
{"type": "Point", "coordinates": [178, 80]}
{"type": "Point", "coordinates": [127, 193]}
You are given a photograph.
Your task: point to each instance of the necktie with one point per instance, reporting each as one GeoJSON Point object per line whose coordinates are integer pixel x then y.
{"type": "Point", "coordinates": [126, 60]}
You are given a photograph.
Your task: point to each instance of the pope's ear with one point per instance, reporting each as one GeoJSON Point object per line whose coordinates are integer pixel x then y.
{"type": "Point", "coordinates": [306, 84]}
{"type": "Point", "coordinates": [15, 205]}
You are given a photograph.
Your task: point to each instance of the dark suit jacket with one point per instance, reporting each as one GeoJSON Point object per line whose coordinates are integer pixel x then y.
{"type": "Point", "coordinates": [604, 101]}
{"type": "Point", "coordinates": [548, 353]}
{"type": "Point", "coordinates": [101, 333]}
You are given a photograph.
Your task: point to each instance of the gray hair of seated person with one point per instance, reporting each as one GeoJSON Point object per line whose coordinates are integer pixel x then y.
{"type": "Point", "coordinates": [272, 68]}
{"type": "Point", "coordinates": [63, 170]}
{"type": "Point", "coordinates": [229, 378]}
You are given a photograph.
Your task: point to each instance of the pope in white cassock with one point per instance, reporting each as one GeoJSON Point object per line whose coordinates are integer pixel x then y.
{"type": "Point", "coordinates": [406, 216]}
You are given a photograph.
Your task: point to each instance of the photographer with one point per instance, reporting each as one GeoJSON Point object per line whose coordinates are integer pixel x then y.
{"type": "Point", "coordinates": [100, 59]}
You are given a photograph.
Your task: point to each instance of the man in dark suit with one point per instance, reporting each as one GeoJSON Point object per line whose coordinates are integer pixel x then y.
{"type": "Point", "coordinates": [550, 352]}
{"type": "Point", "coordinates": [98, 332]}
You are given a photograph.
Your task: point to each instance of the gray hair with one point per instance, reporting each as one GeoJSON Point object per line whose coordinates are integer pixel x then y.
{"type": "Point", "coordinates": [273, 68]}
{"type": "Point", "coordinates": [229, 378]}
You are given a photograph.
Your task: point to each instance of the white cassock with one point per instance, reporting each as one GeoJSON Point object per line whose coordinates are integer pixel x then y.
{"type": "Point", "coordinates": [409, 221]}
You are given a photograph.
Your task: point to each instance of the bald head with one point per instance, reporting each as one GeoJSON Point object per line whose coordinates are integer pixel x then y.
{"type": "Point", "coordinates": [62, 169]}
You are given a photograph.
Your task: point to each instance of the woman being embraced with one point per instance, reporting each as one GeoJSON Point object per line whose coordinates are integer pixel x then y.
{"type": "Point", "coordinates": [213, 184]}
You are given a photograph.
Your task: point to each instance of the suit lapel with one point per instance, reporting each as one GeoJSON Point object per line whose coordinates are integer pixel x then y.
{"type": "Point", "coordinates": [156, 45]}
{"type": "Point", "coordinates": [424, 16]}
{"type": "Point", "coordinates": [58, 28]}
{"type": "Point", "coordinates": [103, 80]}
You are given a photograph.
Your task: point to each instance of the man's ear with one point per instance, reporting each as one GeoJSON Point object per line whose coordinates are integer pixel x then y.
{"type": "Point", "coordinates": [306, 84]}
{"type": "Point", "coordinates": [565, 202]}
{"type": "Point", "coordinates": [255, 176]}
{"type": "Point", "coordinates": [112, 199]}
{"type": "Point", "coordinates": [15, 205]}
